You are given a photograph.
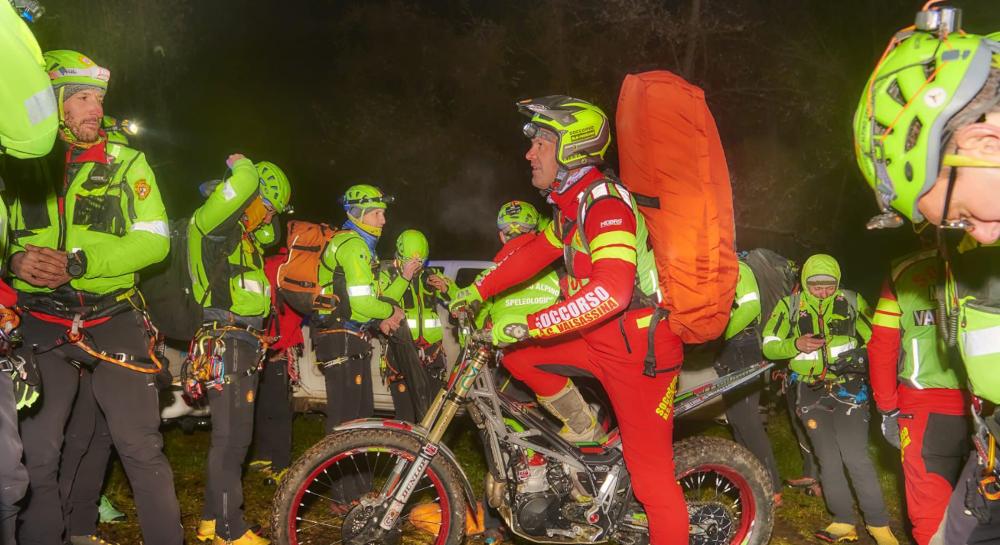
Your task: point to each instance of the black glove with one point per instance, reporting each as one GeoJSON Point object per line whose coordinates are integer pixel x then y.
{"type": "Point", "coordinates": [890, 427]}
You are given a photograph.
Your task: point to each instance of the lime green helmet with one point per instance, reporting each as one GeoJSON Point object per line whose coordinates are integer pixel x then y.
{"type": "Point", "coordinates": [902, 124]}
{"type": "Point", "coordinates": [582, 130]}
{"type": "Point", "coordinates": [412, 244]}
{"type": "Point", "coordinates": [517, 218]}
{"type": "Point", "coordinates": [359, 199]}
{"type": "Point", "coordinates": [274, 186]}
{"type": "Point", "coordinates": [67, 67]}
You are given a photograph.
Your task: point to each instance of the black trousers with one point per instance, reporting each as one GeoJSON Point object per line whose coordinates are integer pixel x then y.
{"type": "Point", "coordinates": [743, 404]}
{"type": "Point", "coordinates": [809, 464]}
{"type": "Point", "coordinates": [839, 433]}
{"type": "Point", "coordinates": [273, 423]}
{"type": "Point", "coordinates": [130, 403]}
{"type": "Point", "coordinates": [86, 451]}
{"type": "Point", "coordinates": [960, 525]}
{"type": "Point", "coordinates": [13, 475]}
{"type": "Point", "coordinates": [232, 430]}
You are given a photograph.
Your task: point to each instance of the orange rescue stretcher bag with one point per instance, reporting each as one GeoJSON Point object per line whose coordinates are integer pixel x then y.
{"type": "Point", "coordinates": [298, 276]}
{"type": "Point", "coordinates": [671, 159]}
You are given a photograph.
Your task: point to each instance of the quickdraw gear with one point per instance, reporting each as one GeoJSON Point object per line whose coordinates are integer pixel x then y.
{"type": "Point", "coordinates": [204, 368]}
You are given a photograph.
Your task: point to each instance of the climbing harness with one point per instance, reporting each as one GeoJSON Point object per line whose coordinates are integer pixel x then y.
{"type": "Point", "coordinates": [204, 368]}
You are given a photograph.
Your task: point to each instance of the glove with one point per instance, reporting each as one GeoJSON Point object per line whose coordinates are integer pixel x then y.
{"type": "Point", "coordinates": [509, 334]}
{"type": "Point", "coordinates": [27, 382]}
{"type": "Point", "coordinates": [467, 298]}
{"type": "Point", "coordinates": [25, 394]}
{"type": "Point", "coordinates": [890, 427]}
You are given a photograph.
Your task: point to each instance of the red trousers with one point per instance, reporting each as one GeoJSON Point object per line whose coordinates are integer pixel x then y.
{"type": "Point", "coordinates": [933, 432]}
{"type": "Point", "coordinates": [642, 405]}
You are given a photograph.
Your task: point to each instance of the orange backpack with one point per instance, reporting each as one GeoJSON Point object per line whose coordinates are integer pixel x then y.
{"type": "Point", "coordinates": [298, 276]}
{"type": "Point", "coordinates": [669, 150]}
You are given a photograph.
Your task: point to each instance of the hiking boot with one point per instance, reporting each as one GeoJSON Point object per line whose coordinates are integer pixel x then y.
{"type": "Point", "coordinates": [838, 532]}
{"type": "Point", "coordinates": [249, 538]}
{"type": "Point", "coordinates": [883, 535]}
{"type": "Point", "coordinates": [578, 418]}
{"type": "Point", "coordinates": [108, 512]}
{"type": "Point", "coordinates": [206, 530]}
{"type": "Point", "coordinates": [260, 465]}
{"type": "Point", "coordinates": [814, 490]}
{"type": "Point", "coordinates": [88, 540]}
{"type": "Point", "coordinates": [272, 477]}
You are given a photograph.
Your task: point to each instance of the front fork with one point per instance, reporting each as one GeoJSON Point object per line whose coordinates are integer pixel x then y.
{"type": "Point", "coordinates": [437, 420]}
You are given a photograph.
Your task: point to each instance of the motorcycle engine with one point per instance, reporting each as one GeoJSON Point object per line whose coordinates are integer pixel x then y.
{"type": "Point", "coordinates": [538, 512]}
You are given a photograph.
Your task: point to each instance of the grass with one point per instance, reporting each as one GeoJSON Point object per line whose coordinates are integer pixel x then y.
{"type": "Point", "coordinates": [796, 519]}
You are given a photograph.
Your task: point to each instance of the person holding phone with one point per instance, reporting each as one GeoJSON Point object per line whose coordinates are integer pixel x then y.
{"type": "Point", "coordinates": [813, 330]}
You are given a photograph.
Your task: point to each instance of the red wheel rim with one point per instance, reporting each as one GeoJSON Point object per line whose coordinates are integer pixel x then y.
{"type": "Point", "coordinates": [436, 482]}
{"type": "Point", "coordinates": [749, 505]}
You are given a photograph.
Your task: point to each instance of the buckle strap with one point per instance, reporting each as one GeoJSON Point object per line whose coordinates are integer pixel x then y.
{"type": "Point", "coordinates": [649, 363]}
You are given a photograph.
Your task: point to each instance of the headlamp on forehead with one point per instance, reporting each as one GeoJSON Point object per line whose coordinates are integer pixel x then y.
{"type": "Point", "coordinates": [385, 199]}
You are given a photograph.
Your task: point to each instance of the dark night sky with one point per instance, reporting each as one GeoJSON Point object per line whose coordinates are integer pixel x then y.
{"type": "Point", "coordinates": [417, 97]}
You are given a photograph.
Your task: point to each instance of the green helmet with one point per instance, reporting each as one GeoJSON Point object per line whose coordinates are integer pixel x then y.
{"type": "Point", "coordinates": [67, 67]}
{"type": "Point", "coordinates": [901, 126]}
{"type": "Point", "coordinates": [582, 131]}
{"type": "Point", "coordinates": [274, 185]}
{"type": "Point", "coordinates": [359, 199]}
{"type": "Point", "coordinates": [517, 218]}
{"type": "Point", "coordinates": [412, 244]}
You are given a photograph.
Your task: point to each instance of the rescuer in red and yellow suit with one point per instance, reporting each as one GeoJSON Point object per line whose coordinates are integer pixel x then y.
{"type": "Point", "coordinates": [603, 324]}
{"type": "Point", "coordinates": [917, 389]}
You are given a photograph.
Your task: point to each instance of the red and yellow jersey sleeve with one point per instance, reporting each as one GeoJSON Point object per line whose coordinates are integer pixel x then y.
{"type": "Point", "coordinates": [610, 228]}
{"type": "Point", "coordinates": [520, 265]}
{"type": "Point", "coordinates": [883, 349]}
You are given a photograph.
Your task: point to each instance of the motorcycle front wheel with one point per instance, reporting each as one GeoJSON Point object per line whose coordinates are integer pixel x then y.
{"type": "Point", "coordinates": [332, 494]}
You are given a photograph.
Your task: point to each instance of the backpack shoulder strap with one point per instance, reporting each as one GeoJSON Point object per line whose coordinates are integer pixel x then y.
{"type": "Point", "coordinates": [599, 190]}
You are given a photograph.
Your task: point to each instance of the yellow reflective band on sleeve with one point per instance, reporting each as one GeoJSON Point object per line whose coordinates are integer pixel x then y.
{"type": "Point", "coordinates": [752, 296]}
{"type": "Point", "coordinates": [613, 237]}
{"type": "Point", "coordinates": [550, 235]}
{"type": "Point", "coordinates": [887, 313]}
{"type": "Point", "coordinates": [885, 319]}
{"type": "Point", "coordinates": [771, 339]}
{"type": "Point", "coordinates": [614, 252]}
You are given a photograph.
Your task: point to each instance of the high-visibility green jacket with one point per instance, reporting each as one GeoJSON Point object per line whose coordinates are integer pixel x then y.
{"type": "Point", "coordinates": [419, 303]}
{"type": "Point", "coordinates": [103, 201]}
{"type": "Point", "coordinates": [843, 320]}
{"type": "Point", "coordinates": [346, 271]}
{"type": "Point", "coordinates": [28, 113]}
{"type": "Point", "coordinates": [974, 283]}
{"type": "Point", "coordinates": [513, 306]}
{"type": "Point", "coordinates": [225, 261]}
{"type": "Point", "coordinates": [746, 303]}
{"type": "Point", "coordinates": [906, 317]}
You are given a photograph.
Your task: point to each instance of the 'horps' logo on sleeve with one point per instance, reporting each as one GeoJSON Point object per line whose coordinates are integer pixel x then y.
{"type": "Point", "coordinates": [584, 309]}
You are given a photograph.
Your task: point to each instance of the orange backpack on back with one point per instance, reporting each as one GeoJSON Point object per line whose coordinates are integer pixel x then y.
{"type": "Point", "coordinates": [669, 150]}
{"type": "Point", "coordinates": [298, 276]}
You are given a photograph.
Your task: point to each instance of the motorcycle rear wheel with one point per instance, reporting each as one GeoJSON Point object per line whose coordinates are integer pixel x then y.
{"type": "Point", "coordinates": [727, 491]}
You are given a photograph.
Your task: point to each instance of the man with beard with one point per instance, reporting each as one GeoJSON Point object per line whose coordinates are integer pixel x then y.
{"type": "Point", "coordinates": [84, 220]}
